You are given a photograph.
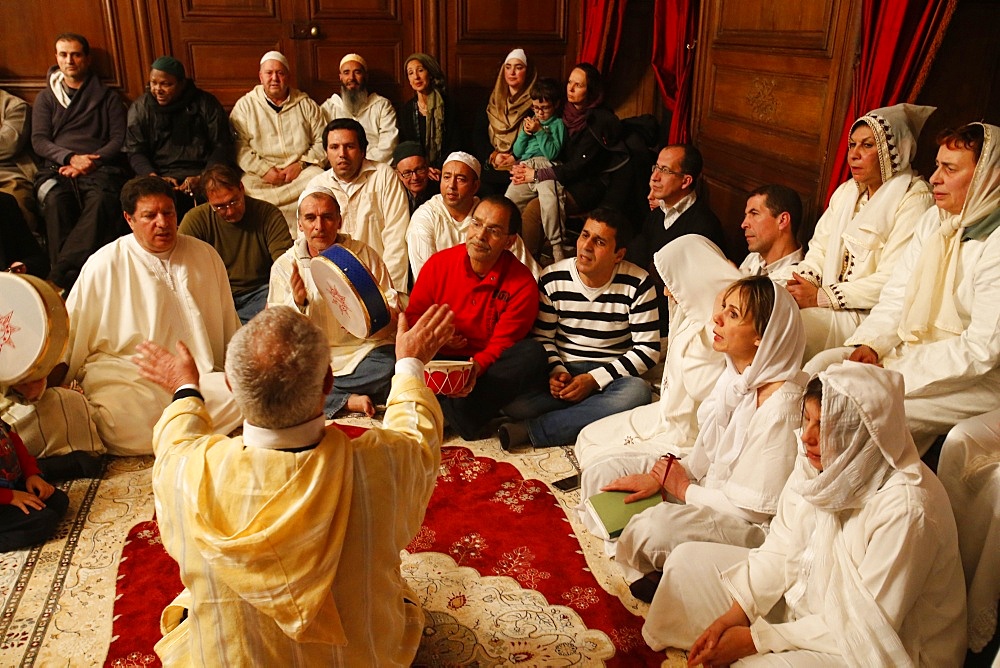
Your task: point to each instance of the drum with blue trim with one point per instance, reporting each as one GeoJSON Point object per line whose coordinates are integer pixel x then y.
{"type": "Point", "coordinates": [350, 290]}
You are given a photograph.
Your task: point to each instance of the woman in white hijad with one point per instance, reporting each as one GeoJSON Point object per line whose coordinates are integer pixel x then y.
{"type": "Point", "coordinates": [860, 566]}
{"type": "Point", "coordinates": [727, 489]}
{"type": "Point", "coordinates": [865, 228]}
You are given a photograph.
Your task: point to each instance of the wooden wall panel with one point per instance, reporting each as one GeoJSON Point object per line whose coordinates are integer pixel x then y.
{"type": "Point", "coordinates": [479, 35]}
{"type": "Point", "coordinates": [765, 114]}
{"type": "Point", "coordinates": [27, 54]}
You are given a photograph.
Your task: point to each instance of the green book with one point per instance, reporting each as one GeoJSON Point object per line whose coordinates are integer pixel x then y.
{"type": "Point", "coordinates": [611, 513]}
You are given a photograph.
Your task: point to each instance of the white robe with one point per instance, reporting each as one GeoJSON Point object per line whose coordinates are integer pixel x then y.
{"type": "Point", "coordinates": [376, 213]}
{"type": "Point", "coordinates": [969, 468]}
{"type": "Point", "coordinates": [266, 139]}
{"type": "Point", "coordinates": [902, 540]}
{"type": "Point", "coordinates": [346, 350]}
{"type": "Point", "coordinates": [779, 271]}
{"type": "Point", "coordinates": [377, 117]}
{"type": "Point", "coordinates": [126, 295]}
{"type": "Point", "coordinates": [954, 378]}
{"type": "Point", "coordinates": [432, 229]}
{"type": "Point", "coordinates": [869, 256]}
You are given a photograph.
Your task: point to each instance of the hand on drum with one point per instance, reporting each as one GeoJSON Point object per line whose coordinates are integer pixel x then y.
{"type": "Point", "coordinates": [470, 385]}
{"type": "Point", "coordinates": [427, 335]}
{"type": "Point", "coordinates": [158, 365]}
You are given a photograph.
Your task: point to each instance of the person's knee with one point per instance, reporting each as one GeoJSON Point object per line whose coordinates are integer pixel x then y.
{"type": "Point", "coordinates": [630, 392]}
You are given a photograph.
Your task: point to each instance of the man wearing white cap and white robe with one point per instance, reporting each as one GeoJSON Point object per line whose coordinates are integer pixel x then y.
{"type": "Point", "coordinates": [442, 221]}
{"type": "Point", "coordinates": [279, 138]}
{"type": "Point", "coordinates": [362, 368]}
{"type": "Point", "coordinates": [374, 112]}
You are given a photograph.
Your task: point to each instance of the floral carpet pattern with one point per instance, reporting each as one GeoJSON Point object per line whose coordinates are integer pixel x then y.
{"type": "Point", "coordinates": [489, 602]}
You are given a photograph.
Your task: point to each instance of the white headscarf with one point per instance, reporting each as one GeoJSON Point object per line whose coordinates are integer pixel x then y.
{"type": "Point", "coordinates": [896, 131]}
{"type": "Point", "coordinates": [864, 440]}
{"type": "Point", "coordinates": [694, 271]}
{"type": "Point", "coordinates": [727, 413]}
{"type": "Point", "coordinates": [929, 309]}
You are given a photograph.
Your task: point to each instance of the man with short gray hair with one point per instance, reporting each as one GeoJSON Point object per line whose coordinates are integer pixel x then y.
{"type": "Point", "coordinates": [294, 522]}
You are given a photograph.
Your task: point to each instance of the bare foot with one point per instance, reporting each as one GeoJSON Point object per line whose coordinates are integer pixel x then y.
{"type": "Point", "coordinates": [361, 403]}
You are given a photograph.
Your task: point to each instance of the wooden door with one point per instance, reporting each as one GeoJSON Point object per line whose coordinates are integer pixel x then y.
{"type": "Point", "coordinates": [772, 87]}
{"type": "Point", "coordinates": [221, 41]}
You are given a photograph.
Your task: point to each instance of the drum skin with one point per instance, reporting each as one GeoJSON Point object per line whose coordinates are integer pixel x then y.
{"type": "Point", "coordinates": [351, 291]}
{"type": "Point", "coordinates": [34, 328]}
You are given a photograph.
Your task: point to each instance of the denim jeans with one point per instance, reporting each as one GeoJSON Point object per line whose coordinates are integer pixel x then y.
{"type": "Point", "coordinates": [553, 421]}
{"type": "Point", "coordinates": [372, 377]}
{"type": "Point", "coordinates": [251, 303]}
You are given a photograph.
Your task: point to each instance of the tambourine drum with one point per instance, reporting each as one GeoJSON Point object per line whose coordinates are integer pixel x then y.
{"type": "Point", "coordinates": [34, 328]}
{"type": "Point", "coordinates": [350, 290]}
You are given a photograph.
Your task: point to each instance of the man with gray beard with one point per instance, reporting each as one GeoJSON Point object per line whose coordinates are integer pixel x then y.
{"type": "Point", "coordinates": [374, 112]}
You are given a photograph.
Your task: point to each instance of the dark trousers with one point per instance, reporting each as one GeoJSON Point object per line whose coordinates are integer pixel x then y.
{"type": "Point", "coordinates": [522, 367]}
{"type": "Point", "coordinates": [81, 215]}
{"type": "Point", "coordinates": [19, 530]}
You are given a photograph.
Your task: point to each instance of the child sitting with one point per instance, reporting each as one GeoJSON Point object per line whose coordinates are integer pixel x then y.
{"type": "Point", "coordinates": [538, 144]}
{"type": "Point", "coordinates": [30, 508]}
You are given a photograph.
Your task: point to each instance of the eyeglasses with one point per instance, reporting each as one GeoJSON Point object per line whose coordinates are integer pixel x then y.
{"type": "Point", "coordinates": [231, 204]}
{"type": "Point", "coordinates": [494, 231]}
{"type": "Point", "coordinates": [541, 107]}
{"type": "Point", "coordinates": [666, 171]}
{"type": "Point", "coordinates": [410, 173]}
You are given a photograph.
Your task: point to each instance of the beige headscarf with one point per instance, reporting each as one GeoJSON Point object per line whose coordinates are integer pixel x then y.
{"type": "Point", "coordinates": [929, 309]}
{"type": "Point", "coordinates": [864, 441]}
{"type": "Point", "coordinates": [506, 113]}
{"type": "Point", "coordinates": [896, 131]}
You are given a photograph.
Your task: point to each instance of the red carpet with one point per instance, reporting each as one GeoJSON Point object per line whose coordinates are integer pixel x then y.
{"type": "Point", "coordinates": [482, 513]}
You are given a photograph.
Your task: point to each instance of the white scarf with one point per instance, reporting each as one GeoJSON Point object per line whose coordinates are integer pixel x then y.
{"type": "Point", "coordinates": [56, 80]}
{"type": "Point", "coordinates": [864, 441]}
{"type": "Point", "coordinates": [896, 130]}
{"type": "Point", "coordinates": [722, 434]}
{"type": "Point", "coordinates": [929, 309]}
{"type": "Point", "coordinates": [694, 272]}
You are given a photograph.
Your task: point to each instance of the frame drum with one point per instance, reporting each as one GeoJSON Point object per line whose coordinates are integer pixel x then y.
{"type": "Point", "coordinates": [34, 328]}
{"type": "Point", "coordinates": [350, 290]}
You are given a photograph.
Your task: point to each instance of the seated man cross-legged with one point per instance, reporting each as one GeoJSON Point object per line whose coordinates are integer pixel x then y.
{"type": "Point", "coordinates": [495, 300]}
{"type": "Point", "coordinates": [599, 323]}
{"type": "Point", "coordinates": [362, 368]}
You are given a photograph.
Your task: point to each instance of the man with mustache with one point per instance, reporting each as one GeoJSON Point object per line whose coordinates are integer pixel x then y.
{"type": "Point", "coordinates": [495, 301]}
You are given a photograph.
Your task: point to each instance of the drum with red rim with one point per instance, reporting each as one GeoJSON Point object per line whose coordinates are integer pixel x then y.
{"type": "Point", "coordinates": [34, 328]}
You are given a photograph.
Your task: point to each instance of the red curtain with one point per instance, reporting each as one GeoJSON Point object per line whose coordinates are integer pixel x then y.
{"type": "Point", "coordinates": [675, 31]}
{"type": "Point", "coordinates": [899, 39]}
{"type": "Point", "coordinates": [602, 23]}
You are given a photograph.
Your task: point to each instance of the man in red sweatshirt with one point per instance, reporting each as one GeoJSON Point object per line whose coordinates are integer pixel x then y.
{"type": "Point", "coordinates": [495, 301]}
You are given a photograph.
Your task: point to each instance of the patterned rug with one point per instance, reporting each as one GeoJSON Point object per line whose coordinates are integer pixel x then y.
{"type": "Point", "coordinates": [58, 601]}
{"type": "Point", "coordinates": [511, 590]}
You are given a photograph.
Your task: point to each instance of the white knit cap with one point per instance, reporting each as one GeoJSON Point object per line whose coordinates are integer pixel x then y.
{"type": "Point", "coordinates": [275, 55]}
{"type": "Point", "coordinates": [356, 58]}
{"type": "Point", "coordinates": [314, 190]}
{"type": "Point", "coordinates": [465, 158]}
{"type": "Point", "coordinates": [516, 54]}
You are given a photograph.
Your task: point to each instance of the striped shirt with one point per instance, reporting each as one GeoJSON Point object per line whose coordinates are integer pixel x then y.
{"type": "Point", "coordinates": [616, 324]}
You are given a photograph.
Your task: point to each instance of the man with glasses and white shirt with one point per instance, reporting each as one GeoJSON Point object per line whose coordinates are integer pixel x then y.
{"type": "Point", "coordinates": [679, 210]}
{"type": "Point", "coordinates": [495, 300]}
{"type": "Point", "coordinates": [249, 235]}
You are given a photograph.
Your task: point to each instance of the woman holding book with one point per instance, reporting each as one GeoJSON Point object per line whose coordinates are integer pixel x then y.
{"type": "Point", "coordinates": [727, 489]}
{"type": "Point", "coordinates": [860, 567]}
